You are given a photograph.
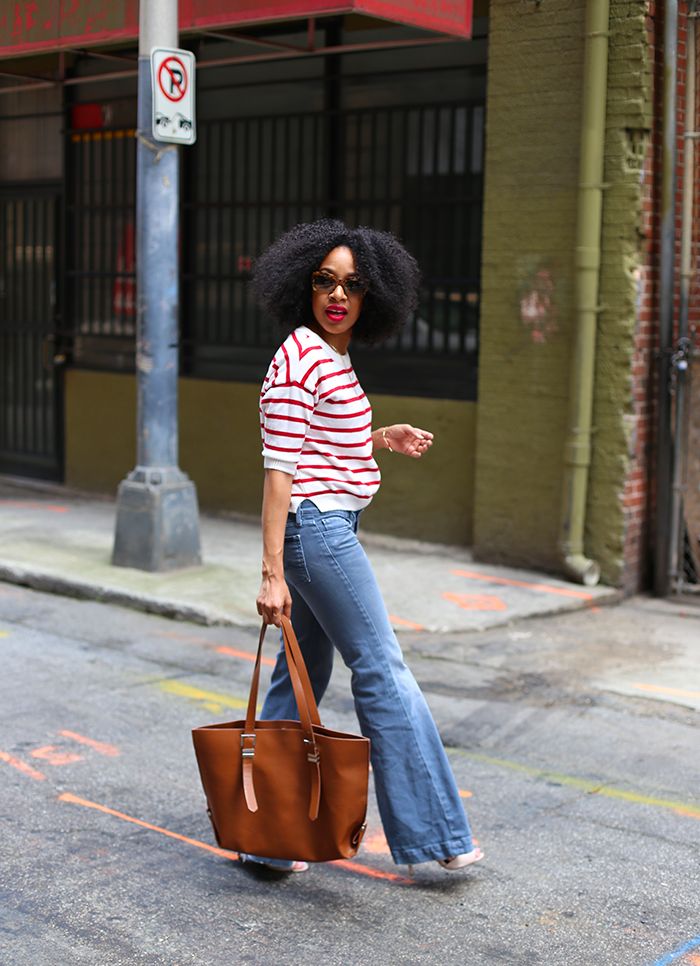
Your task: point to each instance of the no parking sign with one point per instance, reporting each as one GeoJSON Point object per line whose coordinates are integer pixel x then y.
{"type": "Point", "coordinates": [172, 77]}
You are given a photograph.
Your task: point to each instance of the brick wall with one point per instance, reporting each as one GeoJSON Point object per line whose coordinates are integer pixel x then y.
{"type": "Point", "coordinates": [619, 478]}
{"type": "Point", "coordinates": [639, 493]}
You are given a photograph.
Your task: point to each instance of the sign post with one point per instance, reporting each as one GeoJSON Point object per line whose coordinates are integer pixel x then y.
{"type": "Point", "coordinates": [172, 73]}
{"type": "Point", "coordinates": [157, 525]}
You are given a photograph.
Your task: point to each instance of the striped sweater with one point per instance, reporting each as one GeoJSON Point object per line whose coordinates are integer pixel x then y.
{"type": "Point", "coordinates": [316, 425]}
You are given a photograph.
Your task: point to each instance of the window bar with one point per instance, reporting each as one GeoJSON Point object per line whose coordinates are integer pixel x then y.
{"type": "Point", "coordinates": [255, 241]}
{"type": "Point", "coordinates": [209, 238]}
{"type": "Point", "coordinates": [90, 248]}
{"type": "Point", "coordinates": [447, 218]}
{"type": "Point", "coordinates": [231, 263]}
{"type": "Point", "coordinates": [300, 163]}
{"type": "Point", "coordinates": [75, 215]}
{"type": "Point", "coordinates": [357, 186]}
{"type": "Point", "coordinates": [319, 187]}
{"type": "Point", "coordinates": [388, 165]}
{"type": "Point", "coordinates": [23, 341]}
{"type": "Point", "coordinates": [50, 297]}
{"type": "Point", "coordinates": [237, 223]}
{"type": "Point", "coordinates": [32, 325]}
{"type": "Point", "coordinates": [419, 222]}
{"type": "Point", "coordinates": [371, 193]}
{"type": "Point", "coordinates": [220, 323]}
{"type": "Point", "coordinates": [241, 320]}
{"type": "Point", "coordinates": [286, 154]}
{"type": "Point", "coordinates": [123, 316]}
{"type": "Point", "coordinates": [46, 328]}
{"type": "Point", "coordinates": [19, 318]}
{"type": "Point", "coordinates": [107, 230]}
{"type": "Point", "coordinates": [434, 202]}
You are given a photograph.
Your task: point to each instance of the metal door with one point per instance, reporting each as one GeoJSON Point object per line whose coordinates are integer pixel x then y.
{"type": "Point", "coordinates": [30, 392]}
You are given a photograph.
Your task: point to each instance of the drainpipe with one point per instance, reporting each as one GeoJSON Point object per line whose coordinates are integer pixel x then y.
{"type": "Point", "coordinates": [577, 452]}
{"type": "Point", "coordinates": [680, 360]}
{"type": "Point", "coordinates": [664, 441]}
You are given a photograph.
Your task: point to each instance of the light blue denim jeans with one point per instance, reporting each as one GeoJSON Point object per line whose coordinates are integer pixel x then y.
{"type": "Point", "coordinates": [336, 603]}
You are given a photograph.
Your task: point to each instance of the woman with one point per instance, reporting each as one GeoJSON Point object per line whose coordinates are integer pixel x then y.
{"type": "Point", "coordinates": [330, 283]}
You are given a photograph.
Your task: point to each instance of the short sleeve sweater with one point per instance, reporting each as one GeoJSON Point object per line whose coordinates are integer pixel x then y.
{"type": "Point", "coordinates": [316, 425]}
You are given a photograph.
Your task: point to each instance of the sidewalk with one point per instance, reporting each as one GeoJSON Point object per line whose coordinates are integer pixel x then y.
{"type": "Point", "coordinates": [57, 540]}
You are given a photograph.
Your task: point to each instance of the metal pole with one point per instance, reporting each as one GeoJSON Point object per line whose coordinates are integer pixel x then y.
{"type": "Point", "coordinates": [157, 525]}
{"type": "Point", "coordinates": [664, 441]}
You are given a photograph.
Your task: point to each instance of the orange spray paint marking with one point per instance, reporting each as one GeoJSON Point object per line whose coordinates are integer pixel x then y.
{"type": "Point", "coordinates": [692, 960]}
{"type": "Point", "coordinates": [245, 655]}
{"type": "Point", "coordinates": [402, 622]}
{"type": "Point", "coordinates": [487, 602]}
{"type": "Point", "coordinates": [101, 747]}
{"type": "Point", "coordinates": [355, 867]}
{"type": "Point", "coordinates": [464, 793]}
{"type": "Point", "coordinates": [22, 766]}
{"type": "Point", "coordinates": [658, 689]}
{"type": "Point", "coordinates": [360, 869]}
{"type": "Point", "coordinates": [85, 803]}
{"type": "Point", "coordinates": [33, 505]}
{"type": "Point", "coordinates": [54, 756]}
{"type": "Point", "coordinates": [508, 582]}
{"type": "Point", "coordinates": [687, 812]}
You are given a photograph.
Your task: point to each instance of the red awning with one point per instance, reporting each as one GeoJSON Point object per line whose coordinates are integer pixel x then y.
{"type": "Point", "coordinates": [32, 26]}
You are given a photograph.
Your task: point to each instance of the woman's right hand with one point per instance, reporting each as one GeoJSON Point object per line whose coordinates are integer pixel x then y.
{"type": "Point", "coordinates": [274, 600]}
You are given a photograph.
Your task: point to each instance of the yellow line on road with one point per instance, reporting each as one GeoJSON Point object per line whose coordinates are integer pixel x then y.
{"type": "Point", "coordinates": [211, 700]}
{"type": "Point", "coordinates": [591, 787]}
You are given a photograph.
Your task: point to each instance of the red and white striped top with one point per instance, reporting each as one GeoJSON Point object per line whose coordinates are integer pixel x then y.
{"type": "Point", "coordinates": [316, 425]}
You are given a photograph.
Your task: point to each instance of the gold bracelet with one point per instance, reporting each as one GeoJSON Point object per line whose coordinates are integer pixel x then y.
{"type": "Point", "coordinates": [386, 441]}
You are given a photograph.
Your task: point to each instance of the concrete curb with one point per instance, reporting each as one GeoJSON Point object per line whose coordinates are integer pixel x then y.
{"type": "Point", "coordinates": [83, 590]}
{"type": "Point", "coordinates": [51, 583]}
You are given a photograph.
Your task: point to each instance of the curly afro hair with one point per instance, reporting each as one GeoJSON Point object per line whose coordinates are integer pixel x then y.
{"type": "Point", "coordinates": [282, 276]}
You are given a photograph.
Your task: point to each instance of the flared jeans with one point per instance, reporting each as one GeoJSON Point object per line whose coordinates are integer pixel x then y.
{"type": "Point", "coordinates": [336, 604]}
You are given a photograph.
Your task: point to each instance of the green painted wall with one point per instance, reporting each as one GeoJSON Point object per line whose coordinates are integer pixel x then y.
{"type": "Point", "coordinates": [533, 119]}
{"type": "Point", "coordinates": [429, 499]}
{"type": "Point", "coordinates": [527, 324]}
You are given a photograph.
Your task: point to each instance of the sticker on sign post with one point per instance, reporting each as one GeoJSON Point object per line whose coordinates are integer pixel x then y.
{"type": "Point", "coordinates": [172, 75]}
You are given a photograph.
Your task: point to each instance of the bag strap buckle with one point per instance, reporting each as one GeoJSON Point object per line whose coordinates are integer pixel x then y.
{"type": "Point", "coordinates": [248, 752]}
{"type": "Point", "coordinates": [312, 752]}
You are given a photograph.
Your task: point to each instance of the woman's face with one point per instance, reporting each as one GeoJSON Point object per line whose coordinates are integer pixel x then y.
{"type": "Point", "coordinates": [336, 308]}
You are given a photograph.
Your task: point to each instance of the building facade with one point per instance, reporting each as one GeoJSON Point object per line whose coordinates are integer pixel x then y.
{"type": "Point", "coordinates": [468, 149]}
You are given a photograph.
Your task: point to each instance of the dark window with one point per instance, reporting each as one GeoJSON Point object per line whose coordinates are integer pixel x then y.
{"type": "Point", "coordinates": [412, 168]}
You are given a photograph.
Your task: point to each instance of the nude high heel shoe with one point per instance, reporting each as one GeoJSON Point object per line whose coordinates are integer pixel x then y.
{"type": "Point", "coordinates": [456, 862]}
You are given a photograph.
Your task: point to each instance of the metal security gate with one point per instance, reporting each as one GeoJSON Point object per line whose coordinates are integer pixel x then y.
{"type": "Point", "coordinates": [30, 400]}
{"type": "Point", "coordinates": [415, 171]}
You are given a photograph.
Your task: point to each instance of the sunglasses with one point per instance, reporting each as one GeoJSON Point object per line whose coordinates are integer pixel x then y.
{"type": "Point", "coordinates": [326, 283]}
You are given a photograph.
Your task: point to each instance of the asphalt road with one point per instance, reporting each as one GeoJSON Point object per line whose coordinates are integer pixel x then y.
{"type": "Point", "coordinates": [587, 804]}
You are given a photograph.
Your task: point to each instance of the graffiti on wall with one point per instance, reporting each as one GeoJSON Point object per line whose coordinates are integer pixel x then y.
{"type": "Point", "coordinates": [537, 304]}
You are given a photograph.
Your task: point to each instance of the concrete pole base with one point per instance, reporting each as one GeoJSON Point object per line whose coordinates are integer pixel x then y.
{"type": "Point", "coordinates": [157, 527]}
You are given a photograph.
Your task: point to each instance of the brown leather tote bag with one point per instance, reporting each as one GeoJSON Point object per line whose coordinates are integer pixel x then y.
{"type": "Point", "coordinates": [285, 789]}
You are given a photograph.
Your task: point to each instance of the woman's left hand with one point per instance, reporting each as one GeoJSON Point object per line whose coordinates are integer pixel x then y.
{"type": "Point", "coordinates": [407, 439]}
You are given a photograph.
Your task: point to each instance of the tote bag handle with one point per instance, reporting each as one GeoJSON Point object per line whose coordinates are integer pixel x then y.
{"type": "Point", "coordinates": [308, 716]}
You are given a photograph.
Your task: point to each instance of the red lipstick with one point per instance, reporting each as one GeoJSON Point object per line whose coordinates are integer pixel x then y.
{"type": "Point", "coordinates": [336, 313]}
